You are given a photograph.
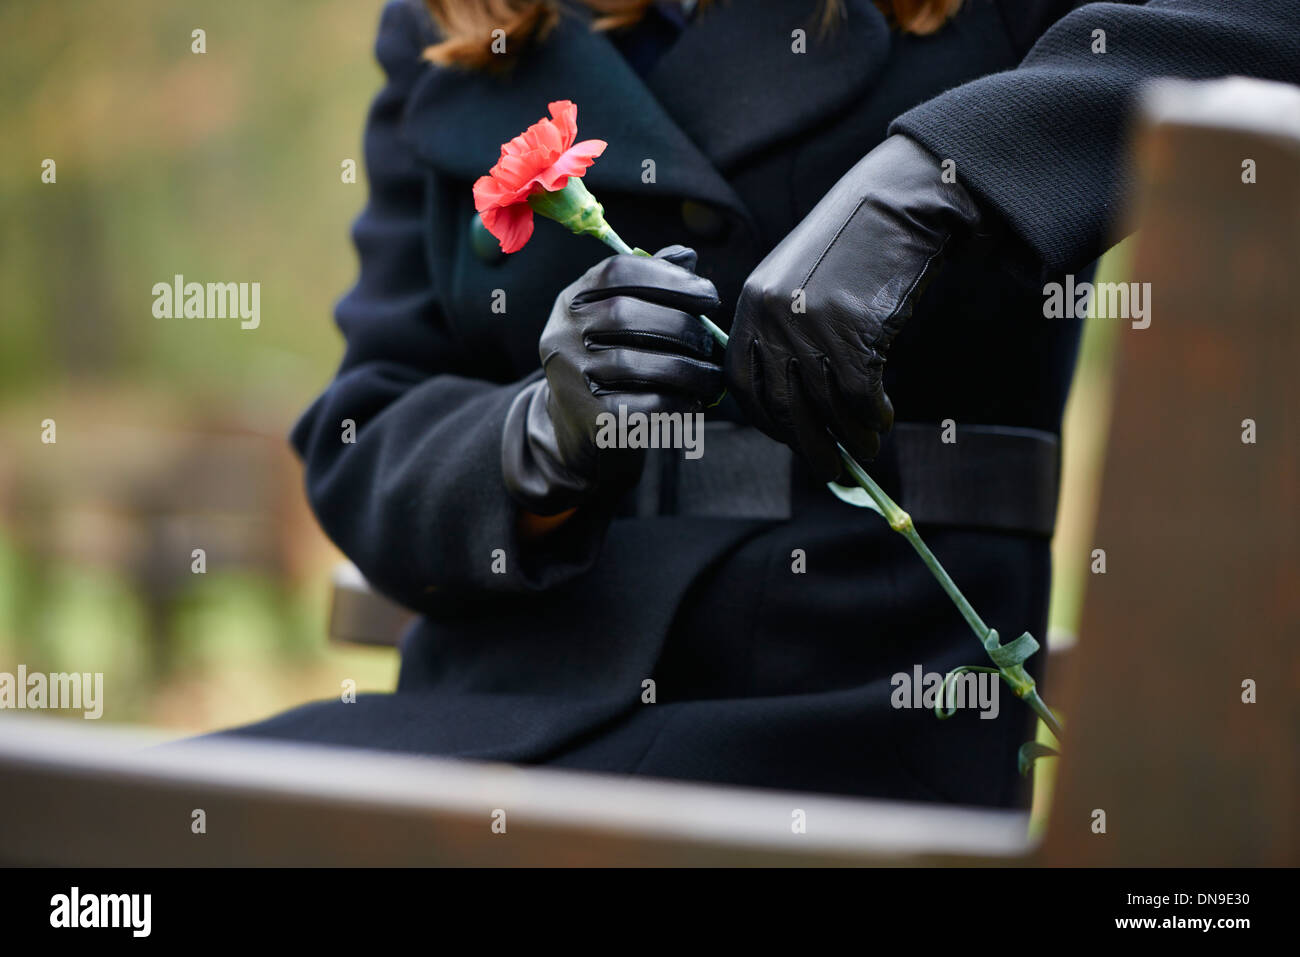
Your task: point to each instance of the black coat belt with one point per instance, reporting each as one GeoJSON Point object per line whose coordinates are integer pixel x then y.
{"type": "Point", "coordinates": [986, 476]}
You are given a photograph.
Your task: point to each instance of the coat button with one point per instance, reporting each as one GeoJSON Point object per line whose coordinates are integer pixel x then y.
{"type": "Point", "coordinates": [704, 221]}
{"type": "Point", "coordinates": [483, 243]}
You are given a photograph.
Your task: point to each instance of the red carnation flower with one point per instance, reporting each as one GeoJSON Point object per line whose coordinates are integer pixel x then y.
{"type": "Point", "coordinates": [541, 159]}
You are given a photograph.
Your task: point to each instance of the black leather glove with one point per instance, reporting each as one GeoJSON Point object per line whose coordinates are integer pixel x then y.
{"type": "Point", "coordinates": [861, 258]}
{"type": "Point", "coordinates": [626, 333]}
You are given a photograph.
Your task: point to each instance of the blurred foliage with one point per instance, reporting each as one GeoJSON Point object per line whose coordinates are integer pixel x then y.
{"type": "Point", "coordinates": [222, 166]}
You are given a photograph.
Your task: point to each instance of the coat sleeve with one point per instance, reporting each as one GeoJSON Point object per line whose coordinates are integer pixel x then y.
{"type": "Point", "coordinates": [417, 500]}
{"type": "Point", "coordinates": [1042, 145]}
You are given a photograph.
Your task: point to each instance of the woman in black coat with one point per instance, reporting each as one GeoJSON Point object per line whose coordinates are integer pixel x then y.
{"type": "Point", "coordinates": [914, 179]}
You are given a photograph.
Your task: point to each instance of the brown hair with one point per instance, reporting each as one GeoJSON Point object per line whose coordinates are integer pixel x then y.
{"type": "Point", "coordinates": [467, 25]}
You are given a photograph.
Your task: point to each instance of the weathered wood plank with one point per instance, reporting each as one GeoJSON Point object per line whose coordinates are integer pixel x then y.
{"type": "Point", "coordinates": [1200, 529]}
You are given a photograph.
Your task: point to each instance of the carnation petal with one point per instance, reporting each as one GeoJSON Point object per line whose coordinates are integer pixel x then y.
{"type": "Point", "coordinates": [588, 148]}
{"type": "Point", "coordinates": [489, 193]}
{"type": "Point", "coordinates": [565, 115]}
{"type": "Point", "coordinates": [574, 162]}
{"type": "Point", "coordinates": [549, 137]}
{"type": "Point", "coordinates": [511, 225]}
{"type": "Point", "coordinates": [517, 169]}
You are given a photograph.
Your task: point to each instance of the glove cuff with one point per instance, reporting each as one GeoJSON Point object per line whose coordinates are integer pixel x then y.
{"type": "Point", "coordinates": [930, 197]}
{"type": "Point", "coordinates": [951, 203]}
{"type": "Point", "coordinates": [531, 464]}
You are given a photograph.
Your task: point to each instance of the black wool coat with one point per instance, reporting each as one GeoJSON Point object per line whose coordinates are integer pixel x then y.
{"type": "Point", "coordinates": [762, 675]}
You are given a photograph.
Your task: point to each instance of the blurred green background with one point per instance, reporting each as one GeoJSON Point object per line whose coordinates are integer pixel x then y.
{"type": "Point", "coordinates": [221, 166]}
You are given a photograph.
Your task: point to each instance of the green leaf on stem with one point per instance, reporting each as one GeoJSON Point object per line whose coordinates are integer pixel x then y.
{"type": "Point", "coordinates": [940, 711]}
{"type": "Point", "coordinates": [854, 496]}
{"type": "Point", "coordinates": [1030, 752]}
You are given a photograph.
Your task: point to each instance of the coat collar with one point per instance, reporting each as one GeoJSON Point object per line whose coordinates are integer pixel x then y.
{"type": "Point", "coordinates": [734, 84]}
{"type": "Point", "coordinates": [730, 86]}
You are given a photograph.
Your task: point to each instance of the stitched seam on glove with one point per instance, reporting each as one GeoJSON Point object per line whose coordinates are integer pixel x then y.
{"type": "Point", "coordinates": [835, 238]}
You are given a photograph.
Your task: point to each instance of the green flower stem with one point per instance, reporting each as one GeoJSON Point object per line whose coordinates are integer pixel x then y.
{"type": "Point", "coordinates": [901, 522]}
{"type": "Point", "coordinates": [612, 240]}
{"type": "Point", "coordinates": [1045, 714]}
{"type": "Point", "coordinates": [1019, 680]}
{"type": "Point", "coordinates": [1015, 676]}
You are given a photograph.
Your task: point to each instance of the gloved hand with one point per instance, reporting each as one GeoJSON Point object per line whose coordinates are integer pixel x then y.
{"type": "Point", "coordinates": [861, 258]}
{"type": "Point", "coordinates": [626, 333]}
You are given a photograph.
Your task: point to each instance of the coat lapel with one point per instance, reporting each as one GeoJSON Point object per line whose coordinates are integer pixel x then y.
{"type": "Point", "coordinates": [735, 84]}
{"type": "Point", "coordinates": [731, 85]}
{"type": "Point", "coordinates": [457, 120]}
